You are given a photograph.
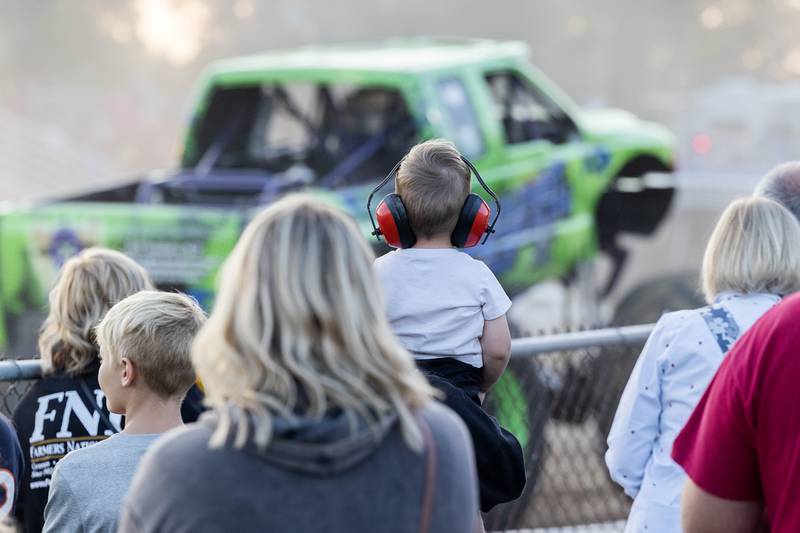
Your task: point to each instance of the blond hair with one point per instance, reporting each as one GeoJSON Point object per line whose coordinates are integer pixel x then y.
{"type": "Point", "coordinates": [754, 248]}
{"type": "Point", "coordinates": [86, 288]}
{"type": "Point", "coordinates": [155, 330]}
{"type": "Point", "coordinates": [433, 182]}
{"type": "Point", "coordinates": [298, 329]}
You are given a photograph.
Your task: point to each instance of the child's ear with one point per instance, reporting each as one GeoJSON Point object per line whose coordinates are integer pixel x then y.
{"type": "Point", "coordinates": [128, 376]}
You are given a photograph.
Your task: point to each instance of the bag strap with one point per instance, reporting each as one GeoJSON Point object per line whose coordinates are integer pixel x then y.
{"type": "Point", "coordinates": [87, 391]}
{"type": "Point", "coordinates": [430, 477]}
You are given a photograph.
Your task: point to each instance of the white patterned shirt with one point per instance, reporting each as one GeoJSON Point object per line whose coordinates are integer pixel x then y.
{"type": "Point", "coordinates": [677, 364]}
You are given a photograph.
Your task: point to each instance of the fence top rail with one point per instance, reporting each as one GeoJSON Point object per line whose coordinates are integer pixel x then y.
{"type": "Point", "coordinates": [560, 342]}
{"type": "Point", "coordinates": [22, 369]}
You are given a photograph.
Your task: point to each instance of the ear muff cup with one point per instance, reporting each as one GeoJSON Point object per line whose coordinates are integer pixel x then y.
{"type": "Point", "coordinates": [393, 222]}
{"type": "Point", "coordinates": [473, 220]}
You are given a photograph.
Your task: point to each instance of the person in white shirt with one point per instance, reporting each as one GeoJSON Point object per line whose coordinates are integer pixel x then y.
{"type": "Point", "coordinates": [146, 369]}
{"type": "Point", "coordinates": [751, 261]}
{"type": "Point", "coordinates": [449, 310]}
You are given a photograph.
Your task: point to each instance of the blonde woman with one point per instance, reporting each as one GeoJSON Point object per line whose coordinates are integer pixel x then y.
{"type": "Point", "coordinates": [65, 410]}
{"type": "Point", "coordinates": [750, 262]}
{"type": "Point", "coordinates": [320, 421]}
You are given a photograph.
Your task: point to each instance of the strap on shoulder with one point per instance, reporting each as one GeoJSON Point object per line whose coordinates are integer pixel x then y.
{"type": "Point", "coordinates": [89, 395]}
{"type": "Point", "coordinates": [430, 477]}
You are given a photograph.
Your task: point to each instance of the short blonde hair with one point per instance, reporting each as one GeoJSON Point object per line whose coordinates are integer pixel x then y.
{"type": "Point", "coordinates": [754, 248]}
{"type": "Point", "coordinates": [433, 182]}
{"type": "Point", "coordinates": [86, 288]}
{"type": "Point", "coordinates": [299, 328]}
{"type": "Point", "coordinates": [155, 330]}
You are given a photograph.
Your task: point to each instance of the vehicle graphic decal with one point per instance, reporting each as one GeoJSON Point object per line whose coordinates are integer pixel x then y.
{"type": "Point", "coordinates": [528, 217]}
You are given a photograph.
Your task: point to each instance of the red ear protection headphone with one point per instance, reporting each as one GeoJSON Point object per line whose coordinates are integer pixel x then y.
{"type": "Point", "coordinates": [394, 225]}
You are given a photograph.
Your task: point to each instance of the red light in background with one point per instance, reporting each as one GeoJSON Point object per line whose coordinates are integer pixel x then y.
{"type": "Point", "coordinates": [701, 144]}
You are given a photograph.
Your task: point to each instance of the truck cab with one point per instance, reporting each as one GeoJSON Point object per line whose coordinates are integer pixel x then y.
{"type": "Point", "coordinates": [332, 120]}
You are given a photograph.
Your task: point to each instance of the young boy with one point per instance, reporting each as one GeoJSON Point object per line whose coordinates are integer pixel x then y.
{"type": "Point", "coordinates": [449, 310]}
{"type": "Point", "coordinates": [145, 343]}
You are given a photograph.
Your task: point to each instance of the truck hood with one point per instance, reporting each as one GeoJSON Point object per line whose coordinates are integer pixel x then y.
{"type": "Point", "coordinates": [607, 124]}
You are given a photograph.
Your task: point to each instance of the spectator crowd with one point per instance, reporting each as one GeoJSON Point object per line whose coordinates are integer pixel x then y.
{"type": "Point", "coordinates": [330, 391]}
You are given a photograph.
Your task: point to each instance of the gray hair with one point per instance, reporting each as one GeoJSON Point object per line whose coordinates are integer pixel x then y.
{"type": "Point", "coordinates": [782, 184]}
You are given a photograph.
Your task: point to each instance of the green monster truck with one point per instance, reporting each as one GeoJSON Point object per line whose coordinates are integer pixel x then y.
{"type": "Point", "coordinates": [333, 120]}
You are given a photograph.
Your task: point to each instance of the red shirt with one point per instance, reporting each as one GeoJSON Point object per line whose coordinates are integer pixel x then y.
{"type": "Point", "coordinates": [742, 441]}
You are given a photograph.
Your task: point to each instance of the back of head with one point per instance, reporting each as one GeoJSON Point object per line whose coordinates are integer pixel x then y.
{"type": "Point", "coordinates": [782, 184]}
{"type": "Point", "coordinates": [755, 248]}
{"type": "Point", "coordinates": [87, 286]}
{"type": "Point", "coordinates": [155, 331]}
{"type": "Point", "coordinates": [433, 182]}
{"type": "Point", "coordinates": [298, 328]}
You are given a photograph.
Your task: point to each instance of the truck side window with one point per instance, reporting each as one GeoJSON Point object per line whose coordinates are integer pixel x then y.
{"type": "Point", "coordinates": [459, 120]}
{"type": "Point", "coordinates": [331, 134]}
{"type": "Point", "coordinates": [525, 114]}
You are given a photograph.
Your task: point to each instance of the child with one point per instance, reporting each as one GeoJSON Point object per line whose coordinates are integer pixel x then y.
{"type": "Point", "coordinates": [145, 371]}
{"type": "Point", "coordinates": [449, 310]}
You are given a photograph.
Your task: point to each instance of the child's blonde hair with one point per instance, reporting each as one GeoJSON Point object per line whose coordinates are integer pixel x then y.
{"type": "Point", "coordinates": [433, 182]}
{"type": "Point", "coordinates": [299, 328]}
{"type": "Point", "coordinates": [755, 247]}
{"type": "Point", "coordinates": [87, 286]}
{"type": "Point", "coordinates": [155, 330]}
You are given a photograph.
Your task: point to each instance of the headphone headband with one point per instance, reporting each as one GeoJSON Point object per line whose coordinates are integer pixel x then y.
{"type": "Point", "coordinates": [489, 230]}
{"type": "Point", "coordinates": [375, 231]}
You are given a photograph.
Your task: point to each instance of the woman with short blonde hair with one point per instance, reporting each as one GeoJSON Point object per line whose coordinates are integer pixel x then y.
{"type": "Point", "coordinates": [320, 420]}
{"type": "Point", "coordinates": [752, 260]}
{"type": "Point", "coordinates": [755, 248]}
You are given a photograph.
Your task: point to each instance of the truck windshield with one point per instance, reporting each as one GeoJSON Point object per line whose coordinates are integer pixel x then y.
{"type": "Point", "coordinates": [336, 134]}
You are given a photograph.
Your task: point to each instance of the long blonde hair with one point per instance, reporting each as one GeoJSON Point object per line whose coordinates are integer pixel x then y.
{"type": "Point", "coordinates": [87, 286]}
{"type": "Point", "coordinates": [298, 329]}
{"type": "Point", "coordinates": [755, 247]}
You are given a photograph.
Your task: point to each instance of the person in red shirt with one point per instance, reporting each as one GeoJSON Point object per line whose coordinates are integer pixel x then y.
{"type": "Point", "coordinates": [741, 446]}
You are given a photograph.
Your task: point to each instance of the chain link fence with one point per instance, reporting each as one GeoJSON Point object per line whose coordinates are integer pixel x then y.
{"type": "Point", "coordinates": [558, 397]}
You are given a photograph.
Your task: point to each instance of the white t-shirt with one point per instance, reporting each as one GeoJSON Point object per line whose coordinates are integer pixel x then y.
{"type": "Point", "coordinates": [437, 300]}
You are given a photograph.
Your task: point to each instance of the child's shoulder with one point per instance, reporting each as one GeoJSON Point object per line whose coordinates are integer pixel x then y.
{"type": "Point", "coordinates": [477, 266]}
{"type": "Point", "coordinates": [387, 262]}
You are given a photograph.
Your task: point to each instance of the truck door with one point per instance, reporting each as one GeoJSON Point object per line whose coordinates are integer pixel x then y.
{"type": "Point", "coordinates": [531, 147]}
